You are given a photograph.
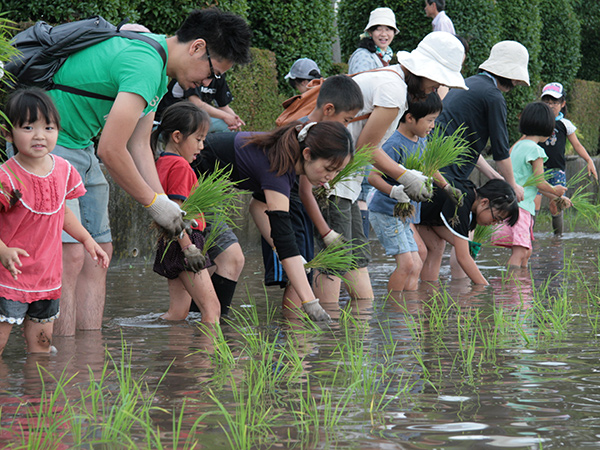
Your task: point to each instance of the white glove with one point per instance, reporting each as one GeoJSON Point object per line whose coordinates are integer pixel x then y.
{"type": "Point", "coordinates": [315, 311]}
{"type": "Point", "coordinates": [167, 214]}
{"type": "Point", "coordinates": [415, 185]}
{"type": "Point", "coordinates": [398, 194]}
{"type": "Point", "coordinates": [194, 258]}
{"type": "Point", "coordinates": [330, 237]}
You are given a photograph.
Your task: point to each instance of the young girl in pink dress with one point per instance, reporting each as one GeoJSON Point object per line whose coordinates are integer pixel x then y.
{"type": "Point", "coordinates": [33, 188]}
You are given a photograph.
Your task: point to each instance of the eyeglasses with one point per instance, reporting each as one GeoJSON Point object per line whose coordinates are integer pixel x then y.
{"type": "Point", "coordinates": [494, 218]}
{"type": "Point", "coordinates": [553, 102]}
{"type": "Point", "coordinates": [212, 70]}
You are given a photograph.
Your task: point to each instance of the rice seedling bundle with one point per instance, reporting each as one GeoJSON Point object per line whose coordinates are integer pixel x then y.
{"type": "Point", "coordinates": [441, 151]}
{"type": "Point", "coordinates": [363, 157]}
{"type": "Point", "coordinates": [581, 200]}
{"type": "Point", "coordinates": [216, 201]}
{"type": "Point", "coordinates": [335, 259]}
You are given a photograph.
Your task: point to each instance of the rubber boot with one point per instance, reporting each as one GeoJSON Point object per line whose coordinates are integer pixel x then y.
{"type": "Point", "coordinates": [557, 224]}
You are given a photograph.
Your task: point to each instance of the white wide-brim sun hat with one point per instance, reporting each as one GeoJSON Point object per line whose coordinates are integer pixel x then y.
{"type": "Point", "coordinates": [438, 57]}
{"type": "Point", "coordinates": [508, 59]}
{"type": "Point", "coordinates": [382, 16]}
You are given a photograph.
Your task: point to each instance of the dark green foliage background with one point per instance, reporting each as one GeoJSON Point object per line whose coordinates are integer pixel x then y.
{"type": "Point", "coordinates": [293, 29]}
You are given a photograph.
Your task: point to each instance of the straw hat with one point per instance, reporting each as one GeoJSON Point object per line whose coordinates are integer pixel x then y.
{"type": "Point", "coordinates": [508, 59]}
{"type": "Point", "coordinates": [438, 57]}
{"type": "Point", "coordinates": [382, 16]}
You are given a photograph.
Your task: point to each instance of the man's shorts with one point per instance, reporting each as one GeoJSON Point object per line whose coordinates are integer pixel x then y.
{"type": "Point", "coordinates": [345, 218]}
{"type": "Point", "coordinates": [41, 311]}
{"type": "Point", "coordinates": [92, 208]}
{"type": "Point", "coordinates": [225, 238]}
{"type": "Point", "coordinates": [395, 235]}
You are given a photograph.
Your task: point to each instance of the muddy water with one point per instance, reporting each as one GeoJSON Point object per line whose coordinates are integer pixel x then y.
{"type": "Point", "coordinates": [526, 392]}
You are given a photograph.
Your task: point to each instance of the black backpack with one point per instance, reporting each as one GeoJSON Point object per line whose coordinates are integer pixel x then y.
{"type": "Point", "coordinates": [44, 48]}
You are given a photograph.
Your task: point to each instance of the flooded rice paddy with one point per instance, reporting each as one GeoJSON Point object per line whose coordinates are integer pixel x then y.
{"type": "Point", "coordinates": [451, 366]}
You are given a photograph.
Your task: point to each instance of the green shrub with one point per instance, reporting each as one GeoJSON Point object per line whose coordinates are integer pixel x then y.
{"type": "Point", "coordinates": [477, 22]}
{"type": "Point", "coordinates": [293, 29]}
{"type": "Point", "coordinates": [589, 18]}
{"type": "Point", "coordinates": [520, 21]}
{"type": "Point", "coordinates": [165, 16]}
{"type": "Point", "coordinates": [353, 16]}
{"type": "Point", "coordinates": [59, 11]}
{"type": "Point", "coordinates": [254, 87]}
{"type": "Point", "coordinates": [561, 56]}
{"type": "Point", "coordinates": [584, 112]}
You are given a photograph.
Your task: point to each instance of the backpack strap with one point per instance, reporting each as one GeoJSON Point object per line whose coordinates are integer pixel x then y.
{"type": "Point", "coordinates": [125, 34]}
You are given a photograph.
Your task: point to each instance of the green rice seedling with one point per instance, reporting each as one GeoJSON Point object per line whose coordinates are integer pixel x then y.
{"type": "Point", "coordinates": [363, 157]}
{"type": "Point", "coordinates": [251, 422]}
{"type": "Point", "coordinates": [336, 259]}
{"type": "Point", "coordinates": [581, 200]}
{"type": "Point", "coordinates": [216, 200]}
{"type": "Point", "coordinates": [441, 151]}
{"type": "Point", "coordinates": [221, 354]}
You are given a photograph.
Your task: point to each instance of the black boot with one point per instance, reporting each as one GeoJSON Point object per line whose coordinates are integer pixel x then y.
{"type": "Point", "coordinates": [224, 288]}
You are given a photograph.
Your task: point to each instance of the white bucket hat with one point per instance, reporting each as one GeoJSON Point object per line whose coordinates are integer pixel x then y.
{"type": "Point", "coordinates": [508, 59]}
{"type": "Point", "coordinates": [438, 57]}
{"type": "Point", "coordinates": [382, 16]}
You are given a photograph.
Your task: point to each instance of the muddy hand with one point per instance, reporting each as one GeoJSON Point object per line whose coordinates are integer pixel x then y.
{"type": "Point", "coordinates": [454, 194]}
{"type": "Point", "coordinates": [194, 258]}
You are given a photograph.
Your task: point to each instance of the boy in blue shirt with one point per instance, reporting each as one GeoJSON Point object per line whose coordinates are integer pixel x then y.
{"type": "Point", "coordinates": [399, 236]}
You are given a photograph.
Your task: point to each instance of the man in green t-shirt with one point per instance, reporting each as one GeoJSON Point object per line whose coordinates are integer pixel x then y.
{"type": "Point", "coordinates": [132, 72]}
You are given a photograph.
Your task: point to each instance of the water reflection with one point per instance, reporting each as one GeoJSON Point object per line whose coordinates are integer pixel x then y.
{"type": "Point", "coordinates": [470, 366]}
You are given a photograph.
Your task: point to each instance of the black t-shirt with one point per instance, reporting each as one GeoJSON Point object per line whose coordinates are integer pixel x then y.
{"type": "Point", "coordinates": [441, 211]}
{"type": "Point", "coordinates": [554, 147]}
{"type": "Point", "coordinates": [482, 109]}
{"type": "Point", "coordinates": [217, 92]}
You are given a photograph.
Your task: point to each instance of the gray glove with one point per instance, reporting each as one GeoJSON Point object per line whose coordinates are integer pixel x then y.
{"type": "Point", "coordinates": [455, 194]}
{"type": "Point", "coordinates": [167, 214]}
{"type": "Point", "coordinates": [415, 185]}
{"type": "Point", "coordinates": [330, 237]}
{"type": "Point", "coordinates": [315, 311]}
{"type": "Point", "coordinates": [194, 258]}
{"type": "Point", "coordinates": [399, 195]}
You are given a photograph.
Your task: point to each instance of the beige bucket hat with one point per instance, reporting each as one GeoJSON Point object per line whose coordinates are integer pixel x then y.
{"type": "Point", "coordinates": [508, 59]}
{"type": "Point", "coordinates": [438, 57]}
{"type": "Point", "coordinates": [382, 16]}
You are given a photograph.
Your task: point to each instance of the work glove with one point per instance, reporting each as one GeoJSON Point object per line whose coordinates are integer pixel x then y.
{"type": "Point", "coordinates": [330, 237]}
{"type": "Point", "coordinates": [315, 311]}
{"type": "Point", "coordinates": [194, 258]}
{"type": "Point", "coordinates": [398, 194]}
{"type": "Point", "coordinates": [415, 185]}
{"type": "Point", "coordinates": [454, 194]}
{"type": "Point", "coordinates": [167, 214]}
{"type": "Point", "coordinates": [474, 248]}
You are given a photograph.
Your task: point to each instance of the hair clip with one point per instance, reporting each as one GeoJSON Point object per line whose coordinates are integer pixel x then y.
{"type": "Point", "coordinates": [302, 133]}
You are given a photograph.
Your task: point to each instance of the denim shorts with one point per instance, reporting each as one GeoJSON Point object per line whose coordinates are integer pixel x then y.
{"type": "Point", "coordinates": [41, 311]}
{"type": "Point", "coordinates": [92, 208]}
{"type": "Point", "coordinates": [557, 178]}
{"type": "Point", "coordinates": [395, 235]}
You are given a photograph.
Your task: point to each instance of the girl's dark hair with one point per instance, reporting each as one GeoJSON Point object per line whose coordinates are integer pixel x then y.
{"type": "Point", "coordinates": [25, 106]}
{"type": "Point", "coordinates": [413, 84]}
{"type": "Point", "coordinates": [536, 119]}
{"type": "Point", "coordinates": [296, 81]}
{"type": "Point", "coordinates": [431, 104]}
{"type": "Point", "coordinates": [327, 140]}
{"type": "Point", "coordinates": [183, 116]}
{"type": "Point", "coordinates": [502, 197]}
{"type": "Point", "coordinates": [368, 43]}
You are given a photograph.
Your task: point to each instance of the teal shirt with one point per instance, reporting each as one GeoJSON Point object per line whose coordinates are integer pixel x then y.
{"type": "Point", "coordinates": [113, 66]}
{"type": "Point", "coordinates": [522, 156]}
